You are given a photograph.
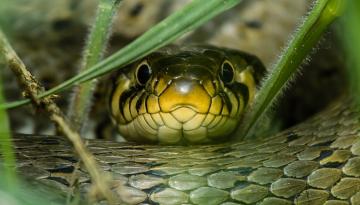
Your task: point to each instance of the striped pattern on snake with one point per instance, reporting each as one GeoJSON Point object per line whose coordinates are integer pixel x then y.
{"type": "Point", "coordinates": [315, 162]}
{"type": "Point", "coordinates": [184, 94]}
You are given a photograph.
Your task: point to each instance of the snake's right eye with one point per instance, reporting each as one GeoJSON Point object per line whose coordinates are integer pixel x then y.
{"type": "Point", "coordinates": [143, 73]}
{"type": "Point", "coordinates": [227, 72]}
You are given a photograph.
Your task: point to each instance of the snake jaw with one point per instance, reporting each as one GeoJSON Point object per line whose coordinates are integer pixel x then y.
{"type": "Point", "coordinates": [183, 97]}
{"type": "Point", "coordinates": [180, 115]}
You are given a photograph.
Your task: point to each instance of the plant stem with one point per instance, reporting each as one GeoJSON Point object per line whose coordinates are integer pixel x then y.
{"type": "Point", "coordinates": [94, 49]}
{"type": "Point", "coordinates": [32, 89]}
{"type": "Point", "coordinates": [6, 146]}
{"type": "Point", "coordinates": [190, 17]}
{"type": "Point", "coordinates": [352, 42]}
{"type": "Point", "coordinates": [322, 15]}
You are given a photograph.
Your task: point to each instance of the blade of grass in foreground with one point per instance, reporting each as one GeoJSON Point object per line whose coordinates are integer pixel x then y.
{"type": "Point", "coordinates": [7, 156]}
{"type": "Point", "coordinates": [32, 195]}
{"type": "Point", "coordinates": [322, 15]}
{"type": "Point", "coordinates": [352, 42]}
{"type": "Point", "coordinates": [191, 16]}
{"type": "Point", "coordinates": [8, 176]}
{"type": "Point", "coordinates": [93, 53]}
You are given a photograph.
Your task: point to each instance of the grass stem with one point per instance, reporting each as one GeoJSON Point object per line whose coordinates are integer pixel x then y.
{"type": "Point", "coordinates": [188, 18]}
{"type": "Point", "coordinates": [6, 146]}
{"type": "Point", "coordinates": [321, 16]}
{"type": "Point", "coordinates": [93, 53]}
{"type": "Point", "coordinates": [31, 89]}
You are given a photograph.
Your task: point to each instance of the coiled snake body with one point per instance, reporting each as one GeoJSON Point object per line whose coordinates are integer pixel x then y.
{"type": "Point", "coordinates": [315, 162]}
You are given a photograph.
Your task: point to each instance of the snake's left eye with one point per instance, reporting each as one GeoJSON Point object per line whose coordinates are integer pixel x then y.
{"type": "Point", "coordinates": [143, 73]}
{"type": "Point", "coordinates": [227, 72]}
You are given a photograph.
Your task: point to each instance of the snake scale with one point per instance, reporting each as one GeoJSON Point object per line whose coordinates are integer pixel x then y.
{"type": "Point", "coordinates": [315, 162]}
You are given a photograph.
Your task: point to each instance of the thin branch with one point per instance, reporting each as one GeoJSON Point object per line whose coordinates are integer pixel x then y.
{"type": "Point", "coordinates": [31, 90]}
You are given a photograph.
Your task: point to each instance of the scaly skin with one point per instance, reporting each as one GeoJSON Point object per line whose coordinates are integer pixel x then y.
{"type": "Point", "coordinates": [184, 95]}
{"type": "Point", "coordinates": [315, 162]}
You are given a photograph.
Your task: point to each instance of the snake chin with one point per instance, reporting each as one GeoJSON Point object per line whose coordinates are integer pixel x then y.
{"type": "Point", "coordinates": [185, 112]}
{"type": "Point", "coordinates": [181, 126]}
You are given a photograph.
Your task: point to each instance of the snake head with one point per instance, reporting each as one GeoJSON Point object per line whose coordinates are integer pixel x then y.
{"type": "Point", "coordinates": [184, 95]}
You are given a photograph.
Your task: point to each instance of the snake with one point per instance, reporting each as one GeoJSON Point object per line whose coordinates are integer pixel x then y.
{"type": "Point", "coordinates": [184, 95]}
{"type": "Point", "coordinates": [180, 106]}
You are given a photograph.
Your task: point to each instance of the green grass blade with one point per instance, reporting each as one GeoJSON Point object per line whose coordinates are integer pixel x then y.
{"type": "Point", "coordinates": [8, 179]}
{"type": "Point", "coordinates": [31, 195]}
{"type": "Point", "coordinates": [322, 14]}
{"type": "Point", "coordinates": [191, 16]}
{"type": "Point", "coordinates": [352, 43]}
{"type": "Point", "coordinates": [93, 53]}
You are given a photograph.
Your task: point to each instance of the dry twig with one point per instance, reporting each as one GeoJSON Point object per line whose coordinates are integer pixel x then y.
{"type": "Point", "coordinates": [31, 90]}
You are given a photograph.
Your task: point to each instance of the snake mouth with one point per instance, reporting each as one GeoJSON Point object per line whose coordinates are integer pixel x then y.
{"type": "Point", "coordinates": [183, 97]}
{"type": "Point", "coordinates": [185, 111]}
{"type": "Point", "coordinates": [177, 128]}
{"type": "Point", "coordinates": [180, 118]}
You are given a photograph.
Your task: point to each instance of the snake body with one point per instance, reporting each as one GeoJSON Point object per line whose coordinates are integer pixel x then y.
{"type": "Point", "coordinates": [315, 162]}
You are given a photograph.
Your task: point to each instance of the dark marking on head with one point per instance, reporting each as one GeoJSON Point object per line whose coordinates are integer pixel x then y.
{"type": "Point", "coordinates": [226, 101]}
{"type": "Point", "coordinates": [139, 102]}
{"type": "Point", "coordinates": [123, 97]}
{"type": "Point", "coordinates": [244, 90]}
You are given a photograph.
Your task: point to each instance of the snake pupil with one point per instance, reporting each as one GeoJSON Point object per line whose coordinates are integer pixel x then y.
{"type": "Point", "coordinates": [143, 73]}
{"type": "Point", "coordinates": [227, 72]}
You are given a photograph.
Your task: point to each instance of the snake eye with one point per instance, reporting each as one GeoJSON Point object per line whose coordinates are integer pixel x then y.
{"type": "Point", "coordinates": [227, 72]}
{"type": "Point", "coordinates": [143, 73]}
